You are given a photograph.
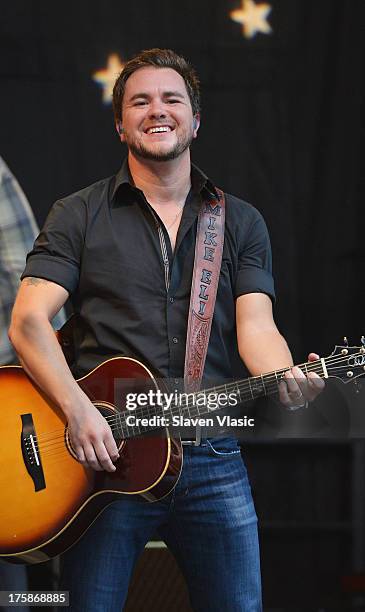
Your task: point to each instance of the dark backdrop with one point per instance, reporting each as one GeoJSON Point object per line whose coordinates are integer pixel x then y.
{"type": "Point", "coordinates": [282, 126]}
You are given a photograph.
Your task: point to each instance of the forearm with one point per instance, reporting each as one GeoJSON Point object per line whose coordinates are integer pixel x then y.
{"type": "Point", "coordinates": [264, 351]}
{"type": "Point", "coordinates": [42, 358]}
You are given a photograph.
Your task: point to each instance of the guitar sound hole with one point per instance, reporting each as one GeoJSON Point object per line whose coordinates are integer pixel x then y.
{"type": "Point", "coordinates": [111, 415]}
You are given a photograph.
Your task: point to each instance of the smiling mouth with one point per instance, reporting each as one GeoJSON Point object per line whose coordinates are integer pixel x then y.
{"type": "Point", "coordinates": [158, 129]}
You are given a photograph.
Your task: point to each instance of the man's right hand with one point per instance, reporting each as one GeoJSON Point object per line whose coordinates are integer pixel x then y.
{"type": "Point", "coordinates": [92, 438]}
{"type": "Point", "coordinates": [32, 335]}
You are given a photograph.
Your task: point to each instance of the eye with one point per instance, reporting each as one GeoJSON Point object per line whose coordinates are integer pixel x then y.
{"type": "Point", "coordinates": [172, 101]}
{"type": "Point", "coordinates": [140, 103]}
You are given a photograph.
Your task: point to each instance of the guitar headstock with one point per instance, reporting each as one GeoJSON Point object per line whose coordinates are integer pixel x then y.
{"type": "Point", "coordinates": [347, 362]}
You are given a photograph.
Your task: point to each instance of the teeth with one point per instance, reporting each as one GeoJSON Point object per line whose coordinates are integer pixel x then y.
{"type": "Point", "coordinates": [162, 128]}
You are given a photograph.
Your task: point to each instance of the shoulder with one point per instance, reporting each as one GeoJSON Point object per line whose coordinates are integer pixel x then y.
{"type": "Point", "coordinates": [240, 210]}
{"type": "Point", "coordinates": [81, 206]}
{"type": "Point", "coordinates": [91, 195]}
{"type": "Point", "coordinates": [243, 220]}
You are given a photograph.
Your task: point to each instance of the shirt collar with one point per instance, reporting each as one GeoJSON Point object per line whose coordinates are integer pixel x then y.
{"type": "Point", "coordinates": [123, 177]}
{"type": "Point", "coordinates": [199, 181]}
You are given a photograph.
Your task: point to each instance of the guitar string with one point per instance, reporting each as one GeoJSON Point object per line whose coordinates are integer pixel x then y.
{"type": "Point", "coordinates": [116, 420]}
{"type": "Point", "coordinates": [264, 381]}
{"type": "Point", "coordinates": [118, 426]}
{"type": "Point", "coordinates": [122, 431]}
{"type": "Point", "coordinates": [310, 366]}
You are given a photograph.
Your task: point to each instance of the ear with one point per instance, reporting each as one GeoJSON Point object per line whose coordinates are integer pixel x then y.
{"type": "Point", "coordinates": [120, 130]}
{"type": "Point", "coordinates": [196, 125]}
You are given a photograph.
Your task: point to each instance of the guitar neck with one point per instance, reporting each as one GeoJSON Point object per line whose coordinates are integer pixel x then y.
{"type": "Point", "coordinates": [247, 389]}
{"type": "Point", "coordinates": [199, 403]}
{"type": "Point", "coordinates": [267, 384]}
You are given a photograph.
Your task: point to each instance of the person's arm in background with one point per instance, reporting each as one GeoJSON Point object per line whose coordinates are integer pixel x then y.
{"type": "Point", "coordinates": [18, 230]}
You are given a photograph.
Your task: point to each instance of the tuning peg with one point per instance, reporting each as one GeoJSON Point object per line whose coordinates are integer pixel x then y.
{"type": "Point", "coordinates": [362, 350]}
{"type": "Point", "coordinates": [345, 350]}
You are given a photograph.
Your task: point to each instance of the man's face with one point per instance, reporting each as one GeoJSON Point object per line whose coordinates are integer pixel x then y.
{"type": "Point", "coordinates": [157, 118]}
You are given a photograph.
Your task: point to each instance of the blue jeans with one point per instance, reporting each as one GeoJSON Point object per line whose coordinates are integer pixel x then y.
{"type": "Point", "coordinates": [208, 522]}
{"type": "Point", "coordinates": [13, 578]}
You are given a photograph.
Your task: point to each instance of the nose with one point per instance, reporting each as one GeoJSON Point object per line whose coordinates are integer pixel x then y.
{"type": "Point", "coordinates": [157, 109]}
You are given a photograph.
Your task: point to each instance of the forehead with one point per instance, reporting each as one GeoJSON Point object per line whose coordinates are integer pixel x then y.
{"type": "Point", "coordinates": [150, 80]}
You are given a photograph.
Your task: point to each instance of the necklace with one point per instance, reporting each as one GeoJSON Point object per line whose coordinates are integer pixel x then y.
{"type": "Point", "coordinates": [176, 218]}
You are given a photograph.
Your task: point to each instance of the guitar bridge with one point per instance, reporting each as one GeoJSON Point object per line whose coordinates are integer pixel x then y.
{"type": "Point", "coordinates": [31, 454]}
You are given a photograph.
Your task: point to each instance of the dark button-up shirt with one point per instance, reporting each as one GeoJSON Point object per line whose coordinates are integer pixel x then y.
{"type": "Point", "coordinates": [102, 245]}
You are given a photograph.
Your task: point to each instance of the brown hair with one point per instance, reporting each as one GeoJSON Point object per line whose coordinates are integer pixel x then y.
{"type": "Point", "coordinates": [159, 58]}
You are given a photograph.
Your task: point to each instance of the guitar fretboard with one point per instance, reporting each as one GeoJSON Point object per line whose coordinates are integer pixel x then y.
{"type": "Point", "coordinates": [196, 404]}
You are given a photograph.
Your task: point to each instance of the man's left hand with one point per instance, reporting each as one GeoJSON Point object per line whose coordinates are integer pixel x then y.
{"type": "Point", "coordinates": [298, 389]}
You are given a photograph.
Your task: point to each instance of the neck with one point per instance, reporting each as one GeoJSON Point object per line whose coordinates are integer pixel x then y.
{"type": "Point", "coordinates": [162, 182]}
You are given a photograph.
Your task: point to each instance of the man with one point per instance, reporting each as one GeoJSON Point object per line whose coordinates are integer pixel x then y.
{"type": "Point", "coordinates": [124, 250]}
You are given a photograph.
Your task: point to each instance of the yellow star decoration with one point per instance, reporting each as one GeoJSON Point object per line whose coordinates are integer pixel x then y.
{"type": "Point", "coordinates": [107, 77]}
{"type": "Point", "coordinates": [253, 18]}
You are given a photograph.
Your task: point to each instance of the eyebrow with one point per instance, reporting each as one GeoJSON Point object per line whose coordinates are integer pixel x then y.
{"type": "Point", "coordinates": [166, 94]}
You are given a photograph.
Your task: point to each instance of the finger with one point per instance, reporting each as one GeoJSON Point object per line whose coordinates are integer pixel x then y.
{"type": "Point", "coordinates": [298, 375]}
{"type": "Point", "coordinates": [316, 380]}
{"type": "Point", "coordinates": [103, 457]}
{"type": "Point", "coordinates": [284, 395]}
{"type": "Point", "coordinates": [80, 453]}
{"type": "Point", "coordinates": [91, 458]}
{"type": "Point", "coordinates": [297, 391]}
{"type": "Point", "coordinates": [77, 448]}
{"type": "Point", "coordinates": [302, 383]}
{"type": "Point", "coordinates": [313, 357]}
{"type": "Point", "coordinates": [316, 384]}
{"type": "Point", "coordinates": [111, 448]}
{"type": "Point", "coordinates": [110, 443]}
{"type": "Point", "coordinates": [294, 391]}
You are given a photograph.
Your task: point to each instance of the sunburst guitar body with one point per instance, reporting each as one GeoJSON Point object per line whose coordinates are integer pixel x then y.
{"type": "Point", "coordinates": [47, 498]}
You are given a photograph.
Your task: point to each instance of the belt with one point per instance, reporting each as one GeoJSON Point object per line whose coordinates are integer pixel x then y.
{"type": "Point", "coordinates": [199, 440]}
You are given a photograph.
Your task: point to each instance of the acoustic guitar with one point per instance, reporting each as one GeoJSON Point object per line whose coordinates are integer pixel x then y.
{"type": "Point", "coordinates": [48, 499]}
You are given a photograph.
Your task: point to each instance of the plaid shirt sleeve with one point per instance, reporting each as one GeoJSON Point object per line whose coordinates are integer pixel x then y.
{"type": "Point", "coordinates": [18, 230]}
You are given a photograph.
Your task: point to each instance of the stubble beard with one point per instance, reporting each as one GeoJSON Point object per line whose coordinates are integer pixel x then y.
{"type": "Point", "coordinates": [139, 150]}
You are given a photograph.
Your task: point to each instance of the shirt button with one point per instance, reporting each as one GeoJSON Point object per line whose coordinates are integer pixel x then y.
{"type": "Point", "coordinates": [171, 300]}
{"type": "Point", "coordinates": [176, 381]}
{"type": "Point", "coordinates": [175, 340]}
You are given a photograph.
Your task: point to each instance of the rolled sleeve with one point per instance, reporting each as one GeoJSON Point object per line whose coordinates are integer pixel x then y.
{"type": "Point", "coordinates": [56, 254]}
{"type": "Point", "coordinates": [254, 274]}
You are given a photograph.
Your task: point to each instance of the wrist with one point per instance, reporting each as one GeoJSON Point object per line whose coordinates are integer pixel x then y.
{"type": "Point", "coordinates": [72, 402]}
{"type": "Point", "coordinates": [293, 408]}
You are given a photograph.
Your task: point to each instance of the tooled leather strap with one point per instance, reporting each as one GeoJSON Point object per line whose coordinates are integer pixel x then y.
{"type": "Point", "coordinates": [207, 265]}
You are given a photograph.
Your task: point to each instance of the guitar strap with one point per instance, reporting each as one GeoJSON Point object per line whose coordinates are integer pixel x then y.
{"type": "Point", "coordinates": [207, 265]}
